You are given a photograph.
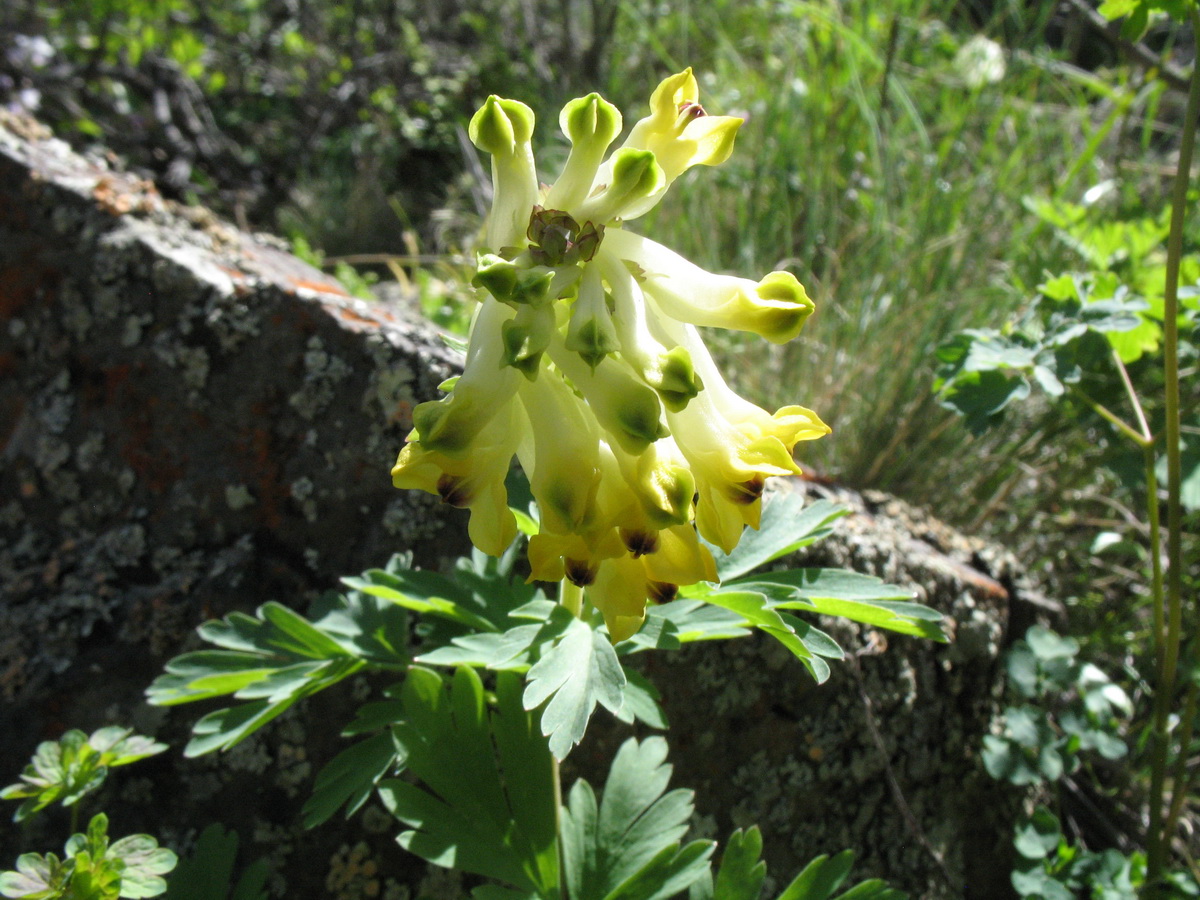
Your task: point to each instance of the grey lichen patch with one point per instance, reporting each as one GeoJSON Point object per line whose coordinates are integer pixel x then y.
{"type": "Point", "coordinates": [191, 362]}
{"type": "Point", "coordinates": [323, 372]}
{"type": "Point", "coordinates": [11, 514]}
{"type": "Point", "coordinates": [412, 517]}
{"type": "Point", "coordinates": [249, 755]}
{"type": "Point", "coordinates": [124, 545]}
{"type": "Point", "coordinates": [88, 452]}
{"type": "Point", "coordinates": [238, 496]}
{"type": "Point", "coordinates": [232, 321]}
{"type": "Point", "coordinates": [441, 884]}
{"type": "Point", "coordinates": [131, 333]}
{"type": "Point", "coordinates": [76, 316]}
{"type": "Point", "coordinates": [302, 492]}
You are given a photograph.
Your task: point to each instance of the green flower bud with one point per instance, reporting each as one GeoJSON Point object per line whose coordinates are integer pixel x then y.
{"type": "Point", "coordinates": [591, 123]}
{"type": "Point", "coordinates": [526, 337]}
{"type": "Point", "coordinates": [625, 407]}
{"type": "Point", "coordinates": [495, 275]}
{"type": "Point", "coordinates": [503, 128]}
{"type": "Point", "coordinates": [440, 429]}
{"type": "Point", "coordinates": [591, 332]}
{"type": "Point", "coordinates": [675, 379]}
{"type": "Point", "coordinates": [500, 127]}
{"type": "Point", "coordinates": [556, 239]}
{"type": "Point", "coordinates": [636, 175]}
{"type": "Point", "coordinates": [511, 283]}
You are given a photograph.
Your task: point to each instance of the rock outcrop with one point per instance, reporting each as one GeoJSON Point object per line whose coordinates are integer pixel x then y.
{"type": "Point", "coordinates": [193, 421]}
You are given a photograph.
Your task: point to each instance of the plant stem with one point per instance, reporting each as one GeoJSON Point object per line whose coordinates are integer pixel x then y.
{"type": "Point", "coordinates": [1158, 841]}
{"type": "Point", "coordinates": [1181, 780]}
{"type": "Point", "coordinates": [1134, 401]}
{"type": "Point", "coordinates": [562, 869]}
{"type": "Point", "coordinates": [1156, 570]}
{"type": "Point", "coordinates": [1111, 417]}
{"type": "Point", "coordinates": [570, 595]}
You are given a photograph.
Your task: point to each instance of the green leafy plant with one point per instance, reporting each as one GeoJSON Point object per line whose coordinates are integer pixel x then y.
{"type": "Point", "coordinates": [485, 618]}
{"type": "Point", "coordinates": [1089, 318]}
{"type": "Point", "coordinates": [67, 770]}
{"type": "Point", "coordinates": [92, 868]}
{"type": "Point", "coordinates": [442, 756]}
{"type": "Point", "coordinates": [1070, 709]}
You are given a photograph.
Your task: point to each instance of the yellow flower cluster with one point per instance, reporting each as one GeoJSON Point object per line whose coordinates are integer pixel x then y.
{"type": "Point", "coordinates": [585, 362]}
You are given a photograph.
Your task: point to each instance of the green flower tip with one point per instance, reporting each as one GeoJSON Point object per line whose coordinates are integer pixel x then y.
{"type": "Point", "coordinates": [638, 421]}
{"type": "Point", "coordinates": [635, 174]}
{"type": "Point", "coordinates": [590, 119]}
{"type": "Point", "coordinates": [510, 283]}
{"type": "Point", "coordinates": [784, 309]}
{"type": "Point", "coordinates": [593, 340]}
{"type": "Point", "coordinates": [496, 275]}
{"type": "Point", "coordinates": [439, 430]}
{"type": "Point", "coordinates": [501, 126]}
{"type": "Point", "coordinates": [676, 380]}
{"type": "Point", "coordinates": [526, 337]}
{"type": "Point", "coordinates": [673, 491]}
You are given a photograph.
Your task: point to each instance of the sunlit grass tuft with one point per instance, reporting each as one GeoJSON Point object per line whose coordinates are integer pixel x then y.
{"type": "Point", "coordinates": [891, 181]}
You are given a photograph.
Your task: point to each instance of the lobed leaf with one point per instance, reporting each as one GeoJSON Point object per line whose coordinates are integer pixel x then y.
{"type": "Point", "coordinates": [628, 845]}
{"type": "Point", "coordinates": [580, 670]}
{"type": "Point", "coordinates": [487, 802]}
{"type": "Point", "coordinates": [787, 525]}
{"type": "Point", "coordinates": [350, 778]}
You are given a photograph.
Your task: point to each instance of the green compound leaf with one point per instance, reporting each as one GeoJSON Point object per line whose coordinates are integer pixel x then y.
{"type": "Point", "coordinates": [787, 525]}
{"type": "Point", "coordinates": [671, 625]}
{"type": "Point", "coordinates": [824, 875]}
{"type": "Point", "coordinates": [1040, 836]}
{"type": "Point", "coordinates": [75, 765]}
{"type": "Point", "coordinates": [742, 872]}
{"type": "Point", "coordinates": [277, 658]}
{"type": "Point", "coordinates": [641, 702]}
{"type": "Point", "coordinates": [762, 601]}
{"type": "Point", "coordinates": [496, 892]}
{"type": "Point", "coordinates": [628, 846]}
{"type": "Point", "coordinates": [143, 865]}
{"type": "Point", "coordinates": [580, 670]}
{"type": "Point", "coordinates": [418, 591]}
{"type": "Point", "coordinates": [208, 873]}
{"type": "Point", "coordinates": [350, 778]}
{"type": "Point", "coordinates": [755, 610]}
{"type": "Point", "coordinates": [513, 650]}
{"type": "Point", "coordinates": [487, 801]}
{"type": "Point", "coordinates": [850, 595]}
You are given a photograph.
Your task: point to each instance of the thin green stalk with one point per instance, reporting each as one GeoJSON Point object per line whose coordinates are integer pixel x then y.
{"type": "Point", "coordinates": [558, 805]}
{"type": "Point", "coordinates": [1112, 418]}
{"type": "Point", "coordinates": [570, 595]}
{"type": "Point", "coordinates": [1181, 780]}
{"type": "Point", "coordinates": [1158, 842]}
{"type": "Point", "coordinates": [1156, 569]}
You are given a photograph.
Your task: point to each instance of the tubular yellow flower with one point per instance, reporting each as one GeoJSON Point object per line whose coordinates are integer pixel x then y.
{"type": "Point", "coordinates": [504, 128]}
{"type": "Point", "coordinates": [680, 134]}
{"type": "Point", "coordinates": [473, 481]}
{"type": "Point", "coordinates": [775, 308]}
{"type": "Point", "coordinates": [584, 361]}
